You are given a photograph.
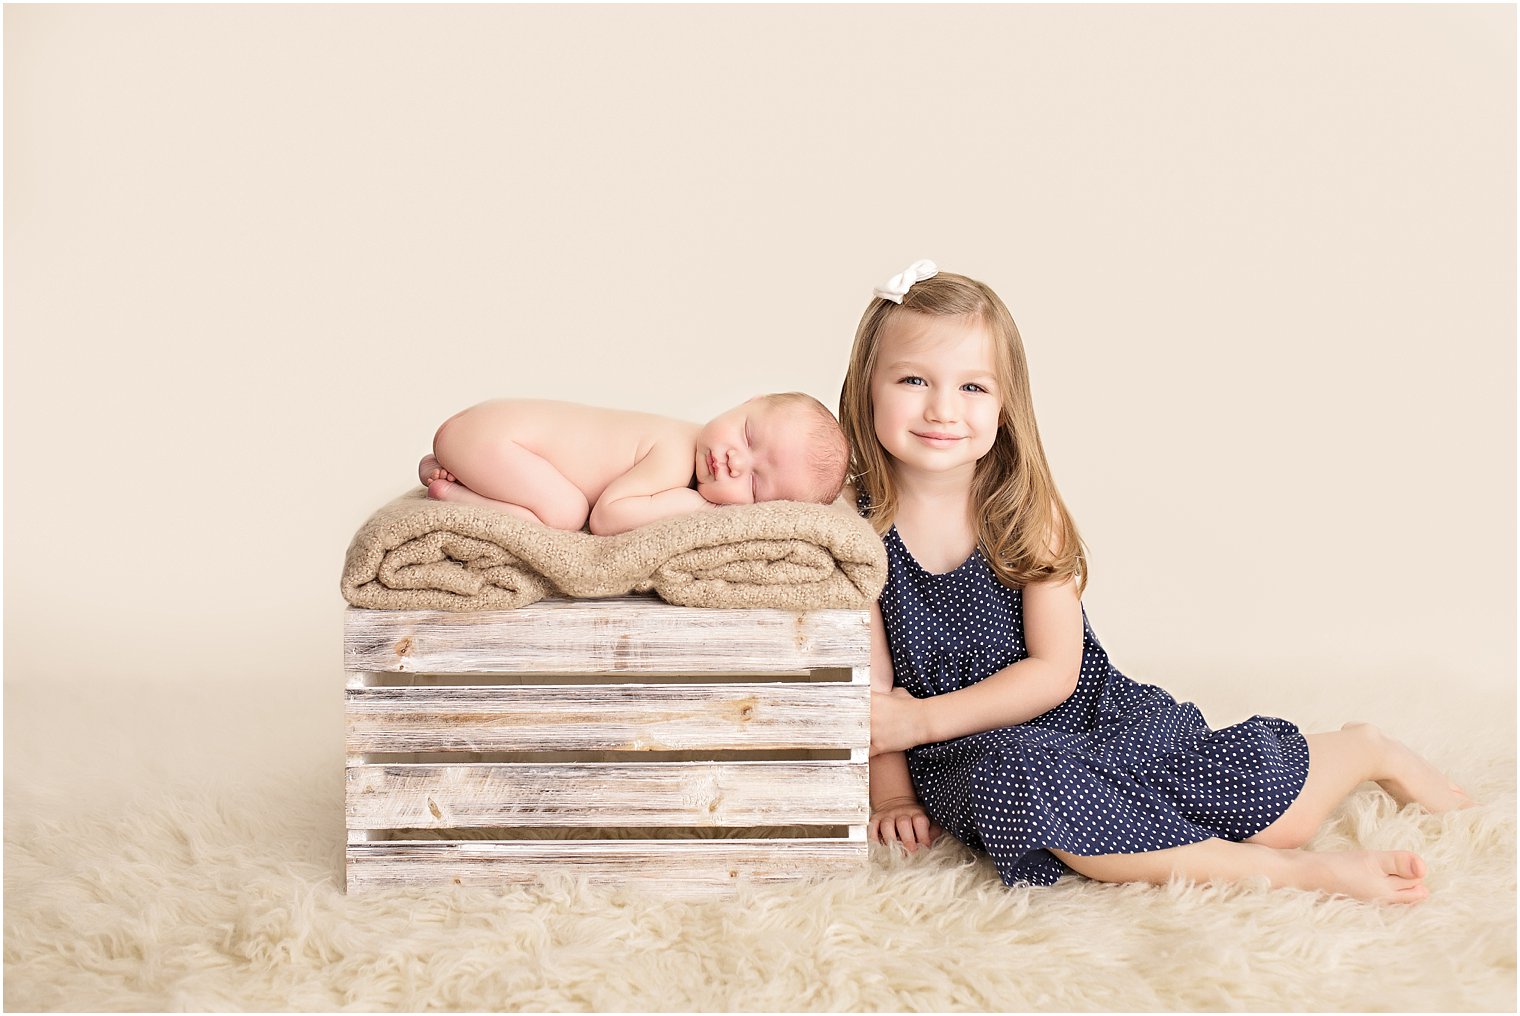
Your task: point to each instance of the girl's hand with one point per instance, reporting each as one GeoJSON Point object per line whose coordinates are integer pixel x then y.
{"type": "Point", "coordinates": [895, 721]}
{"type": "Point", "coordinates": [904, 821]}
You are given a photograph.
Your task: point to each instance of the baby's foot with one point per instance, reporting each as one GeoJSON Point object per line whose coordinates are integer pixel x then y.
{"type": "Point", "coordinates": [429, 470]}
{"type": "Point", "coordinates": [1377, 876]}
{"type": "Point", "coordinates": [448, 489]}
{"type": "Point", "coordinates": [1411, 779]}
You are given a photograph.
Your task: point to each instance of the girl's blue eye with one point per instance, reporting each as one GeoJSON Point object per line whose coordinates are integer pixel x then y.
{"type": "Point", "coordinates": [912, 379]}
{"type": "Point", "coordinates": [973, 384]}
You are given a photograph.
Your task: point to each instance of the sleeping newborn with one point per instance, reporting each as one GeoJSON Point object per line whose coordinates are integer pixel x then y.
{"type": "Point", "coordinates": [565, 464]}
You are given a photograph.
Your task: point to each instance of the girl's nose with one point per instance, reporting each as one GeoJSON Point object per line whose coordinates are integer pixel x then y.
{"type": "Point", "coordinates": [738, 463]}
{"type": "Point", "coordinates": [941, 408]}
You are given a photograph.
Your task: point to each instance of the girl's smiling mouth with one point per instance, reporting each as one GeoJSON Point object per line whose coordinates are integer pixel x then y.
{"type": "Point", "coordinates": [936, 438]}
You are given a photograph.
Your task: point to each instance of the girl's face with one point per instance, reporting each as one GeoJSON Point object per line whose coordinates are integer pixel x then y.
{"type": "Point", "coordinates": [934, 392]}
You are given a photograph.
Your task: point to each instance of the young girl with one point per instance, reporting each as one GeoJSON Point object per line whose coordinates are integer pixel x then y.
{"type": "Point", "coordinates": [997, 715]}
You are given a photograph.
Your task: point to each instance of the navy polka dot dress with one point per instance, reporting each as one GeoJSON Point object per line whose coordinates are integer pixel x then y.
{"type": "Point", "coordinates": [1119, 767]}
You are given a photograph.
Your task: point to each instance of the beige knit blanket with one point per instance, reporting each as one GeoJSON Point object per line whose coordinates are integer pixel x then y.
{"type": "Point", "coordinates": [419, 554]}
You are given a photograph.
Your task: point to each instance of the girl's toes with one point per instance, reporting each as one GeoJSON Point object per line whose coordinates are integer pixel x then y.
{"type": "Point", "coordinates": [1412, 894]}
{"type": "Point", "coordinates": [1404, 864]}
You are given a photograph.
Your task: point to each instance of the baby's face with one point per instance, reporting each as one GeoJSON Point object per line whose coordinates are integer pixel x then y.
{"type": "Point", "coordinates": [754, 452]}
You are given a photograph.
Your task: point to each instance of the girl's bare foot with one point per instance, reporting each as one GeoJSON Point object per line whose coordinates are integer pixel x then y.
{"type": "Point", "coordinates": [1377, 876]}
{"type": "Point", "coordinates": [1410, 779]}
{"type": "Point", "coordinates": [429, 470]}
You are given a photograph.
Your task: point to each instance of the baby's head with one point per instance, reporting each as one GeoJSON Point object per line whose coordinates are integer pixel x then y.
{"type": "Point", "coordinates": [785, 447]}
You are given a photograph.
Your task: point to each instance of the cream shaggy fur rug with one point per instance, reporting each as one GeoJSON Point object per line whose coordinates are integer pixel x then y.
{"type": "Point", "coordinates": [174, 874]}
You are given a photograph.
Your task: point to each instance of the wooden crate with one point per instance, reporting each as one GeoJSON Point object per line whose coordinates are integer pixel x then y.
{"type": "Point", "coordinates": [604, 738]}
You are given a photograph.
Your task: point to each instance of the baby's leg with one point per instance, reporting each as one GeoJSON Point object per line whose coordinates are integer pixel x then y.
{"type": "Point", "coordinates": [1381, 876]}
{"type": "Point", "coordinates": [491, 469]}
{"type": "Point", "coordinates": [1339, 762]}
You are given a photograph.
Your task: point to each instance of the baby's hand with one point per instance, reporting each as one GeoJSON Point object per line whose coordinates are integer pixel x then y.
{"type": "Point", "coordinates": [903, 820]}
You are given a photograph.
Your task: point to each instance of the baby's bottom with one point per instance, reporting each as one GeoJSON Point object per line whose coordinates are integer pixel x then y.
{"type": "Point", "coordinates": [473, 462]}
{"type": "Point", "coordinates": [1339, 762]}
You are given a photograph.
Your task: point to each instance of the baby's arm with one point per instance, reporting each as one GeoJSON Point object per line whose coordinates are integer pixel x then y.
{"type": "Point", "coordinates": [896, 813]}
{"type": "Point", "coordinates": [655, 488]}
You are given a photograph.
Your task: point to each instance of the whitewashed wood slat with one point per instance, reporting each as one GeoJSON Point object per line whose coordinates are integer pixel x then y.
{"type": "Point", "coordinates": [662, 866]}
{"type": "Point", "coordinates": [426, 796]}
{"type": "Point", "coordinates": [630, 634]}
{"type": "Point", "coordinates": [624, 717]}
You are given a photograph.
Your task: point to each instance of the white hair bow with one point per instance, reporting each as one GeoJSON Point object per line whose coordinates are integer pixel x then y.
{"type": "Point", "coordinates": [897, 286]}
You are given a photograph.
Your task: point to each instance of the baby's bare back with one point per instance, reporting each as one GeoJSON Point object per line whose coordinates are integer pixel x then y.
{"type": "Point", "coordinates": [591, 446]}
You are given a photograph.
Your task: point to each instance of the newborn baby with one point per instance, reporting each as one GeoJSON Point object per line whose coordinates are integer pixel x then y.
{"type": "Point", "coordinates": [565, 464]}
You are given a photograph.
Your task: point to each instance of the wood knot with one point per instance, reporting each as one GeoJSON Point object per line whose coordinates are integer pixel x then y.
{"type": "Point", "coordinates": [404, 646]}
{"type": "Point", "coordinates": [747, 712]}
{"type": "Point", "coordinates": [433, 807]}
{"type": "Point", "coordinates": [623, 653]}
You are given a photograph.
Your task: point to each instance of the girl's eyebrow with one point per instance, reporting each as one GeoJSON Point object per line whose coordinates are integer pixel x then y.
{"type": "Point", "coordinates": [911, 365]}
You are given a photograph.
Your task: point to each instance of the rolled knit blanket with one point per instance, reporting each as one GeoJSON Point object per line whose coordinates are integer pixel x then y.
{"type": "Point", "coordinates": [419, 554]}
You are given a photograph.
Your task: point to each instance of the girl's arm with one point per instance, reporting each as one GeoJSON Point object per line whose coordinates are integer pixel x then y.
{"type": "Point", "coordinates": [896, 813]}
{"type": "Point", "coordinates": [1015, 694]}
{"type": "Point", "coordinates": [1023, 690]}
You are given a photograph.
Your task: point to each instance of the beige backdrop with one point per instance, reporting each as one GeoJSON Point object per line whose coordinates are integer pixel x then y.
{"type": "Point", "coordinates": [1263, 260]}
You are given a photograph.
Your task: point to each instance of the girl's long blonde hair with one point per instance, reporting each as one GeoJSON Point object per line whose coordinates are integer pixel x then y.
{"type": "Point", "coordinates": [1018, 510]}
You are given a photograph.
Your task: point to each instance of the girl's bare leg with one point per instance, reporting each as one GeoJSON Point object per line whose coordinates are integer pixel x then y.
{"type": "Point", "coordinates": [1381, 876]}
{"type": "Point", "coordinates": [1339, 762]}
